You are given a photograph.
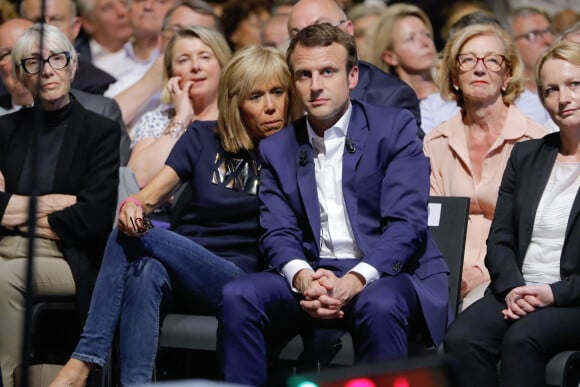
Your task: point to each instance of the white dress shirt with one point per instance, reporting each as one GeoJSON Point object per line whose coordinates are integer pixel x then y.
{"type": "Point", "coordinates": [542, 260]}
{"type": "Point", "coordinates": [133, 69]}
{"type": "Point", "coordinates": [112, 62]}
{"type": "Point", "coordinates": [336, 235]}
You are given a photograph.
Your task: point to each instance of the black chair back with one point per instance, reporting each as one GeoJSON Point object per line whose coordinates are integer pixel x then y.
{"type": "Point", "coordinates": [448, 227]}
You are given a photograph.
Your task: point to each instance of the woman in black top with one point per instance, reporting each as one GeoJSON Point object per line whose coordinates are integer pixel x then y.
{"type": "Point", "coordinates": [77, 174]}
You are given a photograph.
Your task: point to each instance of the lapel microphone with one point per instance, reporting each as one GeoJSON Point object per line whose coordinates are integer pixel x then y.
{"type": "Point", "coordinates": [350, 148]}
{"type": "Point", "coordinates": [303, 159]}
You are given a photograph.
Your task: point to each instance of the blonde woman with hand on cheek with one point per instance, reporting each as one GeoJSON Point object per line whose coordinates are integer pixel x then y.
{"type": "Point", "coordinates": [192, 63]}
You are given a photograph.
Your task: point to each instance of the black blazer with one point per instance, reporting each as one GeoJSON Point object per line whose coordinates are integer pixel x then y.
{"type": "Point", "coordinates": [523, 183]}
{"type": "Point", "coordinates": [88, 168]}
{"type": "Point", "coordinates": [91, 79]}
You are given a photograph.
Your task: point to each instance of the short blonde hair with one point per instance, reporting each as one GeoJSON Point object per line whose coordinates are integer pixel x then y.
{"type": "Point", "coordinates": [380, 37]}
{"type": "Point", "coordinates": [248, 67]}
{"type": "Point", "coordinates": [449, 68]}
{"type": "Point", "coordinates": [213, 39]}
{"type": "Point", "coordinates": [564, 50]}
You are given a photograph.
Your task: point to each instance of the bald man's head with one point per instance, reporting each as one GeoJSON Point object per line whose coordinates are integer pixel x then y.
{"type": "Point", "coordinates": [10, 31]}
{"type": "Point", "coordinates": [308, 12]}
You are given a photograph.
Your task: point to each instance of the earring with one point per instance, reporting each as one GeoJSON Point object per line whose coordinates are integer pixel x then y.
{"type": "Point", "coordinates": [504, 88]}
{"type": "Point", "coordinates": [455, 87]}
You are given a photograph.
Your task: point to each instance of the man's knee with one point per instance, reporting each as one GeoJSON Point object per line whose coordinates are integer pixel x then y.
{"type": "Point", "coordinates": [399, 306]}
{"type": "Point", "coordinates": [237, 290]}
{"type": "Point", "coordinates": [252, 295]}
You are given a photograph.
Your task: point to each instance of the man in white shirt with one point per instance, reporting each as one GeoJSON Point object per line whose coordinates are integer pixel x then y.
{"type": "Point", "coordinates": [343, 205]}
{"type": "Point", "coordinates": [144, 95]}
{"type": "Point", "coordinates": [63, 15]}
{"type": "Point", "coordinates": [139, 53]}
{"type": "Point", "coordinates": [106, 30]}
{"type": "Point", "coordinates": [533, 34]}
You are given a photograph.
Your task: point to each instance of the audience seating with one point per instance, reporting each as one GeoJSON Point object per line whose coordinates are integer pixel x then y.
{"type": "Point", "coordinates": [198, 332]}
{"type": "Point", "coordinates": [564, 369]}
{"type": "Point", "coordinates": [448, 224]}
{"type": "Point", "coordinates": [55, 330]}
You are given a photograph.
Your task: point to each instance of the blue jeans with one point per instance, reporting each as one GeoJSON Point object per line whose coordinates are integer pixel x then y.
{"type": "Point", "coordinates": [135, 274]}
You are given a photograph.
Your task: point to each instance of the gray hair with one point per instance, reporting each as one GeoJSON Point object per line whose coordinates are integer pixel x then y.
{"type": "Point", "coordinates": [54, 41]}
{"type": "Point", "coordinates": [86, 8]}
{"type": "Point", "coordinates": [527, 11]}
{"type": "Point", "coordinates": [572, 30]}
{"type": "Point", "coordinates": [73, 9]}
{"type": "Point", "coordinates": [197, 6]}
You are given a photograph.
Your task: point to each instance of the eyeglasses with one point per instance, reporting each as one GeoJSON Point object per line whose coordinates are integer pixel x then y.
{"type": "Point", "coordinates": [338, 23]}
{"type": "Point", "coordinates": [492, 62]}
{"type": "Point", "coordinates": [57, 61]}
{"type": "Point", "coordinates": [535, 35]}
{"type": "Point", "coordinates": [141, 225]}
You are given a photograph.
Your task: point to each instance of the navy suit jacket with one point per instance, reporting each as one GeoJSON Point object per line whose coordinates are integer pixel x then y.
{"type": "Point", "coordinates": [379, 88]}
{"type": "Point", "coordinates": [524, 180]}
{"type": "Point", "coordinates": [385, 188]}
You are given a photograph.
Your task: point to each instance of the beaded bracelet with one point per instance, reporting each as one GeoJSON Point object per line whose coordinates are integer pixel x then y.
{"type": "Point", "coordinates": [175, 129]}
{"type": "Point", "coordinates": [132, 200]}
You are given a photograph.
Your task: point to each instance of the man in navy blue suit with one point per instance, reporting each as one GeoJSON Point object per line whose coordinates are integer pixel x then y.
{"type": "Point", "coordinates": [343, 208]}
{"type": "Point", "coordinates": [374, 85]}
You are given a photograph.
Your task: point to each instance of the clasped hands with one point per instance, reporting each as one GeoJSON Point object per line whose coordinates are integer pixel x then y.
{"type": "Point", "coordinates": [525, 299]}
{"type": "Point", "coordinates": [324, 293]}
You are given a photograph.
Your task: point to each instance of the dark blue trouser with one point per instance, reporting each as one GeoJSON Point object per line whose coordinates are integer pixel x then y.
{"type": "Point", "coordinates": [260, 311]}
{"type": "Point", "coordinates": [480, 337]}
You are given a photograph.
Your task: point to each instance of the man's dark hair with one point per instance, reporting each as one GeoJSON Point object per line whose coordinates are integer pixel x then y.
{"type": "Point", "coordinates": [479, 17]}
{"type": "Point", "coordinates": [323, 35]}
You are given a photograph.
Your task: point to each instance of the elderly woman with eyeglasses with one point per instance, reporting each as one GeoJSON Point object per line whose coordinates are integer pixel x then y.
{"type": "Point", "coordinates": [469, 152]}
{"type": "Point", "coordinates": [69, 157]}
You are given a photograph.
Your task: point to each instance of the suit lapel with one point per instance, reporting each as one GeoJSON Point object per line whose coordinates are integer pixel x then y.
{"type": "Point", "coordinates": [306, 178]}
{"type": "Point", "coordinates": [357, 134]}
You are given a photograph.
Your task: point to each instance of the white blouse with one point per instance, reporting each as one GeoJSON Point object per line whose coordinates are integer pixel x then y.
{"type": "Point", "coordinates": [542, 260]}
